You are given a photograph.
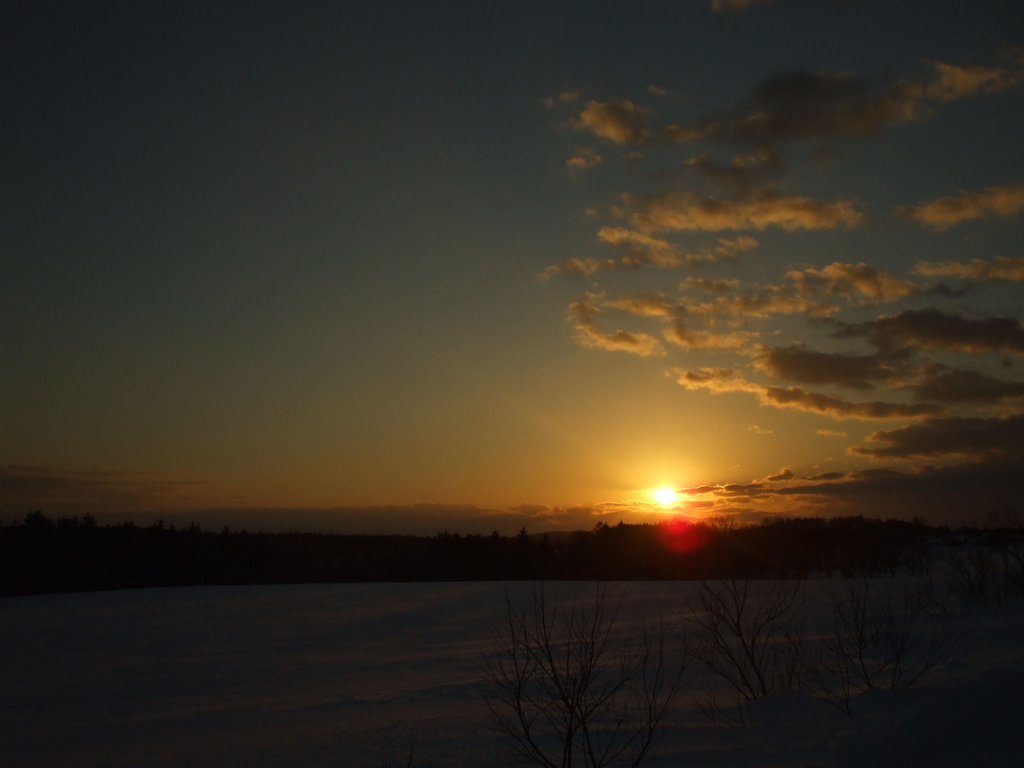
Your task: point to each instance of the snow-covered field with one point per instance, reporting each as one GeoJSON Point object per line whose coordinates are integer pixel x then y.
{"type": "Point", "coordinates": [353, 675]}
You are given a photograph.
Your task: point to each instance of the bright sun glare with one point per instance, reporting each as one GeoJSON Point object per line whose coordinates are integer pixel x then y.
{"type": "Point", "coordinates": [665, 496]}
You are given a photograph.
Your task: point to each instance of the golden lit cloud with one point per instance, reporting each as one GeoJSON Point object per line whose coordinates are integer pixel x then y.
{"type": "Point", "coordinates": [584, 159]}
{"type": "Point", "coordinates": [951, 82]}
{"type": "Point", "coordinates": [583, 315]}
{"type": "Point", "coordinates": [643, 250]}
{"type": "Point", "coordinates": [770, 300]}
{"type": "Point", "coordinates": [720, 380]}
{"type": "Point", "coordinates": [946, 212]}
{"type": "Point", "coordinates": [851, 281]}
{"type": "Point", "coordinates": [688, 211]}
{"type": "Point", "coordinates": [709, 285]}
{"type": "Point", "coordinates": [644, 305]}
{"type": "Point", "coordinates": [1002, 268]}
{"type": "Point", "coordinates": [686, 338]}
{"type": "Point", "coordinates": [621, 122]}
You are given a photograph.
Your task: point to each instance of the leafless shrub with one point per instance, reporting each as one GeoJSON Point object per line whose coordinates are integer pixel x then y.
{"type": "Point", "coordinates": [920, 558]}
{"type": "Point", "coordinates": [568, 690]}
{"type": "Point", "coordinates": [971, 574]}
{"type": "Point", "coordinates": [1010, 557]}
{"type": "Point", "coordinates": [878, 636]}
{"type": "Point", "coordinates": [750, 637]}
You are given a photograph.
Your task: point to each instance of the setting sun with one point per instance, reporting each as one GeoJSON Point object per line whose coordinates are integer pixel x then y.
{"type": "Point", "coordinates": [665, 496]}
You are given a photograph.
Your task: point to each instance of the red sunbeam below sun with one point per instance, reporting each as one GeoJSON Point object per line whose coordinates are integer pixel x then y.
{"type": "Point", "coordinates": [683, 536]}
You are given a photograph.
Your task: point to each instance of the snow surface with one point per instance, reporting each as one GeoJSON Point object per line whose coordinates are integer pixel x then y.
{"type": "Point", "coordinates": [357, 674]}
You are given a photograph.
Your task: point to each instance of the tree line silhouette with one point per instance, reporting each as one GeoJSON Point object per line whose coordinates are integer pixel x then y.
{"type": "Point", "coordinates": [71, 554]}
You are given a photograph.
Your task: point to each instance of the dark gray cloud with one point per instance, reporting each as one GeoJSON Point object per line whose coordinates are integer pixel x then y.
{"type": "Point", "coordinates": [797, 363]}
{"type": "Point", "coordinates": [949, 385]}
{"type": "Point", "coordinates": [826, 476]}
{"type": "Point", "coordinates": [801, 106]}
{"type": "Point", "coordinates": [954, 495]}
{"type": "Point", "coordinates": [742, 172]}
{"type": "Point", "coordinates": [816, 402]}
{"type": "Point", "coordinates": [971, 437]}
{"type": "Point", "coordinates": [935, 329]}
{"type": "Point", "coordinates": [89, 491]}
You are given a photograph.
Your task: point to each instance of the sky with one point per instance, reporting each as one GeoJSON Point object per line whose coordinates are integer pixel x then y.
{"type": "Point", "coordinates": [400, 266]}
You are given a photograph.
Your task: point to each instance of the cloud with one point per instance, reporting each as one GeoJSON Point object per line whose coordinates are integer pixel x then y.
{"type": "Point", "coordinates": [946, 212]}
{"type": "Point", "coordinates": [80, 491]}
{"type": "Point", "coordinates": [583, 315]}
{"type": "Point", "coordinates": [644, 250]}
{"type": "Point", "coordinates": [686, 338]}
{"type": "Point", "coordinates": [815, 402]}
{"type": "Point", "coordinates": [565, 97]}
{"type": "Point", "coordinates": [731, 179]}
{"type": "Point", "coordinates": [575, 266]}
{"type": "Point", "coordinates": [934, 329]}
{"type": "Point", "coordinates": [714, 379]}
{"type": "Point", "coordinates": [808, 291]}
{"type": "Point", "coordinates": [827, 476]}
{"type": "Point", "coordinates": [801, 106]}
{"type": "Point", "coordinates": [784, 474]}
{"type": "Point", "coordinates": [770, 300]}
{"type": "Point", "coordinates": [797, 363]}
{"type": "Point", "coordinates": [951, 82]}
{"type": "Point", "coordinates": [948, 385]}
{"type": "Point", "coordinates": [742, 173]}
{"type": "Point", "coordinates": [621, 122]}
{"type": "Point", "coordinates": [821, 106]}
{"type": "Point", "coordinates": [720, 380]}
{"type": "Point", "coordinates": [728, 249]}
{"type": "Point", "coordinates": [709, 285]}
{"type": "Point", "coordinates": [852, 281]}
{"type": "Point", "coordinates": [1002, 269]}
{"type": "Point", "coordinates": [584, 159]}
{"type": "Point", "coordinates": [644, 305]}
{"type": "Point", "coordinates": [947, 494]}
{"type": "Point", "coordinates": [685, 210]}
{"type": "Point", "coordinates": [976, 438]}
